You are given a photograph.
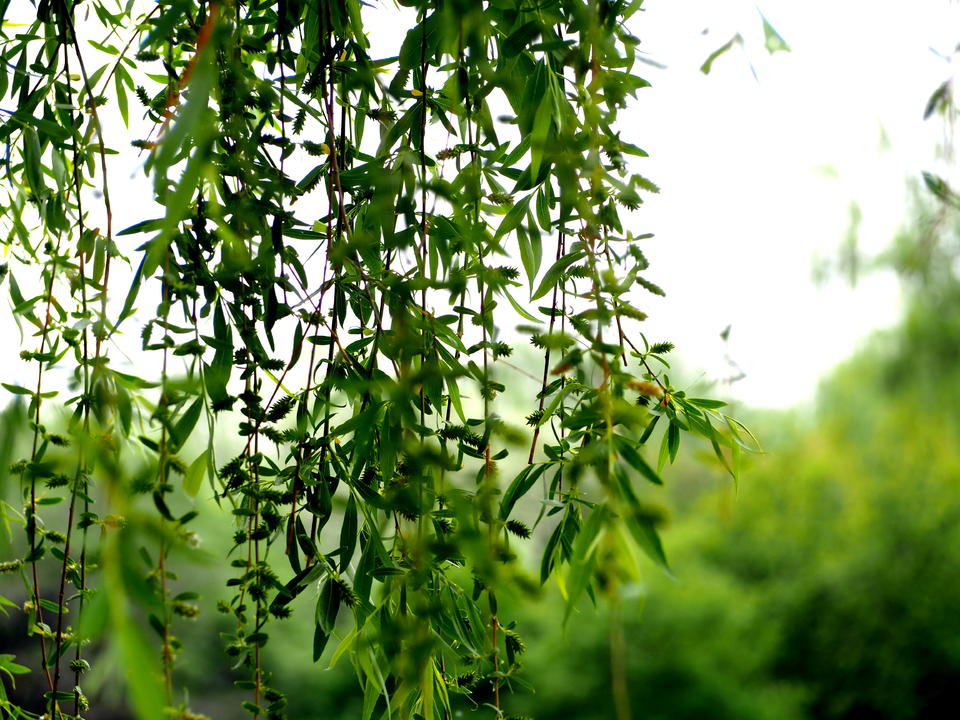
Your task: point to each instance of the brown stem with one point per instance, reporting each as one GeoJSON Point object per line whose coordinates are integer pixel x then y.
{"type": "Point", "coordinates": [101, 333]}
{"type": "Point", "coordinates": [423, 190]}
{"type": "Point", "coordinates": [32, 522]}
{"type": "Point", "coordinates": [494, 624]}
{"type": "Point", "coordinates": [546, 356]}
{"type": "Point", "coordinates": [166, 652]}
{"type": "Point", "coordinates": [258, 668]}
{"type": "Point", "coordinates": [58, 639]}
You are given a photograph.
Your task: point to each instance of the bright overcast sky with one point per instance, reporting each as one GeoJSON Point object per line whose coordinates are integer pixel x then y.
{"type": "Point", "coordinates": [758, 173]}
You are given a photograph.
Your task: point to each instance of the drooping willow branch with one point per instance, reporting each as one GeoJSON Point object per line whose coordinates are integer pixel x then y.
{"type": "Point", "coordinates": [382, 463]}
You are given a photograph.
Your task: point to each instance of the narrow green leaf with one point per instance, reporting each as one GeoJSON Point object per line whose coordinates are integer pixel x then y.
{"type": "Point", "coordinates": [635, 459]}
{"type": "Point", "coordinates": [516, 41]}
{"type": "Point", "coordinates": [542, 123]}
{"type": "Point", "coordinates": [193, 478]}
{"type": "Point", "coordinates": [552, 277]}
{"type": "Point", "coordinates": [33, 162]}
{"type": "Point", "coordinates": [584, 559]}
{"type": "Point", "coordinates": [517, 306]}
{"type": "Point", "coordinates": [7, 663]}
{"type": "Point", "coordinates": [939, 98]}
{"type": "Point", "coordinates": [348, 533]}
{"type": "Point", "coordinates": [531, 253]}
{"type": "Point", "coordinates": [121, 96]}
{"type": "Point", "coordinates": [708, 63]}
{"type": "Point", "coordinates": [185, 424]}
{"type": "Point", "coordinates": [772, 38]}
{"type": "Point", "coordinates": [514, 217]}
{"type": "Point", "coordinates": [673, 440]}
{"type": "Point", "coordinates": [643, 529]}
{"type": "Point", "coordinates": [520, 486]}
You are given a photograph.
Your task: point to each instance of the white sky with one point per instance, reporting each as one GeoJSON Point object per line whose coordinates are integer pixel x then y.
{"type": "Point", "coordinates": [747, 203]}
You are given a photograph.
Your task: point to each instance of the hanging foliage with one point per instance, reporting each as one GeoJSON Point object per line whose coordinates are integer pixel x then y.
{"type": "Point", "coordinates": [312, 321]}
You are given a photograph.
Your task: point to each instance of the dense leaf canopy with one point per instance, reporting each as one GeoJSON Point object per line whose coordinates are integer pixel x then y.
{"type": "Point", "coordinates": [344, 245]}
